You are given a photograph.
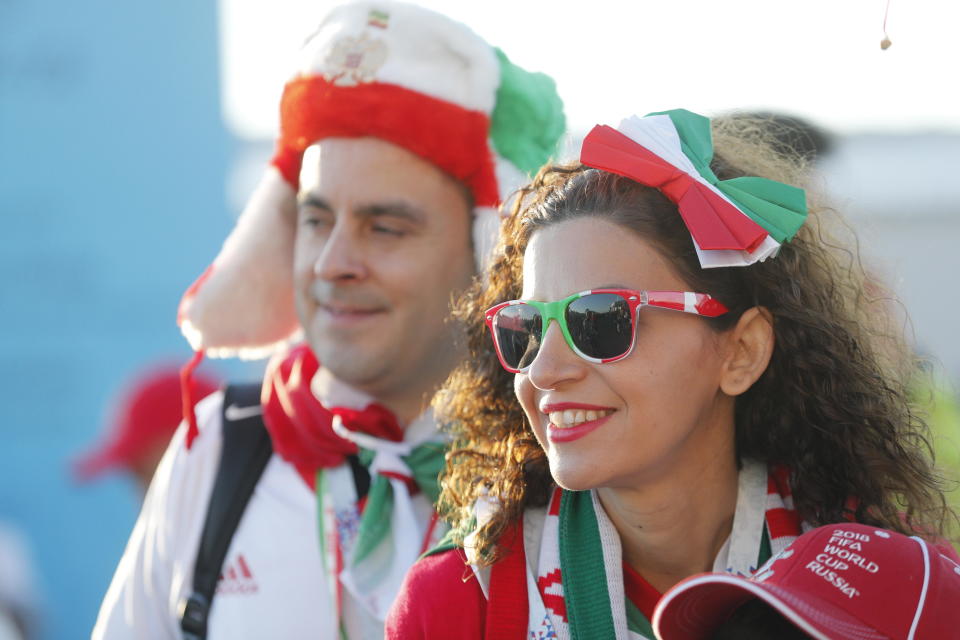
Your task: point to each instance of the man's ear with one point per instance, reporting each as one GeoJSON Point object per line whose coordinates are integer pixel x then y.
{"type": "Point", "coordinates": [749, 348]}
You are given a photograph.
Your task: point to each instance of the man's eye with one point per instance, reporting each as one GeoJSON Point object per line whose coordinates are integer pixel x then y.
{"type": "Point", "coordinates": [314, 221]}
{"type": "Point", "coordinates": [387, 230]}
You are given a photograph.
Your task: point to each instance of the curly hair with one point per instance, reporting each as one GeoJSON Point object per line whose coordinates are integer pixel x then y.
{"type": "Point", "coordinates": [832, 406]}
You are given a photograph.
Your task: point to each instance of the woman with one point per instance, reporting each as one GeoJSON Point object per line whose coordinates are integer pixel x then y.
{"type": "Point", "coordinates": [720, 383]}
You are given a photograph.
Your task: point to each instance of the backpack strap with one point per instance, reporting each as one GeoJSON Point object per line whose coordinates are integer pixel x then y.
{"type": "Point", "coordinates": [245, 453]}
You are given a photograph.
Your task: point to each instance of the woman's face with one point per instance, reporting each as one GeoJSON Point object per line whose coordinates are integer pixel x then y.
{"type": "Point", "coordinates": [638, 418]}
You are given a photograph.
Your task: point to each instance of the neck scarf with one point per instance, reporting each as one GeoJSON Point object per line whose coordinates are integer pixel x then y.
{"type": "Point", "coordinates": [579, 590]}
{"type": "Point", "coordinates": [368, 542]}
{"type": "Point", "coordinates": [301, 427]}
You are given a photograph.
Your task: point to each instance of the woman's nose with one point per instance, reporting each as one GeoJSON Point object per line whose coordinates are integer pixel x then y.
{"type": "Point", "coordinates": [555, 364]}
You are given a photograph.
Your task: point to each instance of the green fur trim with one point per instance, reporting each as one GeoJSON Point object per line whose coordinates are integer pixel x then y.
{"type": "Point", "coordinates": [527, 120]}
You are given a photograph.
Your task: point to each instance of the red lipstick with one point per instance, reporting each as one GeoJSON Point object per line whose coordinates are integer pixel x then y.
{"type": "Point", "coordinates": [556, 433]}
{"type": "Point", "coordinates": [573, 406]}
{"type": "Point", "coordinates": [569, 434]}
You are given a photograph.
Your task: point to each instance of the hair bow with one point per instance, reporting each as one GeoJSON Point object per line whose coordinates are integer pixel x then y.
{"type": "Point", "coordinates": [733, 222]}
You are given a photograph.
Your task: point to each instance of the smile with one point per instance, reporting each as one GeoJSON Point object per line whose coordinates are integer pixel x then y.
{"type": "Point", "coordinates": [573, 418]}
{"type": "Point", "coordinates": [345, 317]}
{"type": "Point", "coordinates": [349, 311]}
{"type": "Point", "coordinates": [570, 421]}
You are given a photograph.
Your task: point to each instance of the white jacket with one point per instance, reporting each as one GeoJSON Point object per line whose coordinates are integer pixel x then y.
{"type": "Point", "coordinates": [272, 583]}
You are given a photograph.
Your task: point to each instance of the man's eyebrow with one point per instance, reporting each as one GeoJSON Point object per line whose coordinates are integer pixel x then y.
{"type": "Point", "coordinates": [392, 209]}
{"type": "Point", "coordinates": [313, 200]}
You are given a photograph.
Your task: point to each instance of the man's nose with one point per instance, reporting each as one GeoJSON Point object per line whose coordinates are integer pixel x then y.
{"type": "Point", "coordinates": [342, 257]}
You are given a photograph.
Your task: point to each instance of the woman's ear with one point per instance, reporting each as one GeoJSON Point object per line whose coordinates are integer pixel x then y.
{"type": "Point", "coordinates": [749, 348]}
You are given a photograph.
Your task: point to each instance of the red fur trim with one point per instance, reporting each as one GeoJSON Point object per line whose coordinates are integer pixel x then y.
{"type": "Point", "coordinates": [449, 136]}
{"type": "Point", "coordinates": [287, 161]}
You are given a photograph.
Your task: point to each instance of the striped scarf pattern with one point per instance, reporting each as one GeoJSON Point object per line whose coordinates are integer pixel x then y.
{"type": "Point", "coordinates": [579, 538]}
{"type": "Point", "coordinates": [368, 545]}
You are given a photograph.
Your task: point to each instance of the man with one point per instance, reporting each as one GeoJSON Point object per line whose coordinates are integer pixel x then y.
{"type": "Point", "coordinates": [398, 134]}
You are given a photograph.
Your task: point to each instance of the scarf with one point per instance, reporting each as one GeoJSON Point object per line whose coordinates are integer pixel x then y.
{"type": "Point", "coordinates": [301, 427]}
{"type": "Point", "coordinates": [578, 591]}
{"type": "Point", "coordinates": [368, 542]}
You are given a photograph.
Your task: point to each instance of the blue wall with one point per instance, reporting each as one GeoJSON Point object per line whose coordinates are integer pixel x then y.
{"type": "Point", "coordinates": [112, 164]}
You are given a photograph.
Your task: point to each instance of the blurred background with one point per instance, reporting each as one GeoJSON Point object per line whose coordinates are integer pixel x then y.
{"type": "Point", "coordinates": [132, 133]}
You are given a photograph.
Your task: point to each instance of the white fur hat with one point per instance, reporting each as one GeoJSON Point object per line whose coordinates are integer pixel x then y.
{"type": "Point", "coordinates": [393, 71]}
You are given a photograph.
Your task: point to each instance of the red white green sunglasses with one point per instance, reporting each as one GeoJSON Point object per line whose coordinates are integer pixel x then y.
{"type": "Point", "coordinates": [598, 325]}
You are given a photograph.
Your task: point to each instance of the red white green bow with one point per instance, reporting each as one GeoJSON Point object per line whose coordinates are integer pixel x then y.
{"type": "Point", "coordinates": [733, 222]}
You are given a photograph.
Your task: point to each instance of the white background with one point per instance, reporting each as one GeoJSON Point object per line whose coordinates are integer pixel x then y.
{"type": "Point", "coordinates": [817, 58]}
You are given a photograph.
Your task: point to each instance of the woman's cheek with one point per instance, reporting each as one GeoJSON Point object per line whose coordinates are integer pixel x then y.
{"type": "Point", "coordinates": [528, 402]}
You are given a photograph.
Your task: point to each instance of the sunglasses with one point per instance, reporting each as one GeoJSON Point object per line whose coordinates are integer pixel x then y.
{"type": "Point", "coordinates": [598, 325]}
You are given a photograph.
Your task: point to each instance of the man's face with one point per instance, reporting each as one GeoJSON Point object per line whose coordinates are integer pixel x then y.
{"type": "Point", "coordinates": [383, 241]}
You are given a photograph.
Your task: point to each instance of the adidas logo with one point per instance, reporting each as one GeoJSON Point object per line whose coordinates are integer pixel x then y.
{"type": "Point", "coordinates": [236, 578]}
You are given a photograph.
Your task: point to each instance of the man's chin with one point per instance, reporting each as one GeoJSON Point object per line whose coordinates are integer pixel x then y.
{"type": "Point", "coordinates": [355, 366]}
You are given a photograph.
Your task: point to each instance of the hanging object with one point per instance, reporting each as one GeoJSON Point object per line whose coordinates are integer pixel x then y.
{"type": "Point", "coordinates": [886, 42]}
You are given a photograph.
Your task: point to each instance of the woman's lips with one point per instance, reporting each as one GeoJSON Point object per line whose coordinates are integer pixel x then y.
{"type": "Point", "coordinates": [568, 434]}
{"type": "Point", "coordinates": [573, 420]}
{"type": "Point", "coordinates": [563, 406]}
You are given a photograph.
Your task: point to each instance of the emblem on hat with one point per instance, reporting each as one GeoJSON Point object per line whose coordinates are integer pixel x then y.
{"type": "Point", "coordinates": [355, 60]}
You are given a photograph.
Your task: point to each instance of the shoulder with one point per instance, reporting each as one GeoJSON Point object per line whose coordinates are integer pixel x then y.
{"type": "Point", "coordinates": [175, 505]}
{"type": "Point", "coordinates": [209, 412]}
{"type": "Point", "coordinates": [182, 466]}
{"type": "Point", "coordinates": [441, 567]}
{"type": "Point", "coordinates": [435, 586]}
{"type": "Point", "coordinates": [157, 564]}
{"type": "Point", "coordinates": [946, 549]}
{"type": "Point", "coordinates": [176, 501]}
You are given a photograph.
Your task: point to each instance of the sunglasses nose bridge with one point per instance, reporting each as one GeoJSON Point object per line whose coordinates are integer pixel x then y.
{"type": "Point", "coordinates": [559, 335]}
{"type": "Point", "coordinates": [556, 362]}
{"type": "Point", "coordinates": [545, 326]}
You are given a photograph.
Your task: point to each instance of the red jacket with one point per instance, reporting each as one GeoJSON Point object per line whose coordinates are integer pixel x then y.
{"type": "Point", "coordinates": [440, 598]}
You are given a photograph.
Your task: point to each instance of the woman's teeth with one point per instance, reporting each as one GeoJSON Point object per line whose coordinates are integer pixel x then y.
{"type": "Point", "coordinates": [573, 417]}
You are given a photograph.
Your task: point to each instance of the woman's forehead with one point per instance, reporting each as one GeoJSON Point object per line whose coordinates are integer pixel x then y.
{"type": "Point", "coordinates": [589, 253]}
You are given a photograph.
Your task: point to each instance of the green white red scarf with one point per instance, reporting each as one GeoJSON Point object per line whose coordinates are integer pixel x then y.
{"type": "Point", "coordinates": [579, 542]}
{"type": "Point", "coordinates": [368, 544]}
